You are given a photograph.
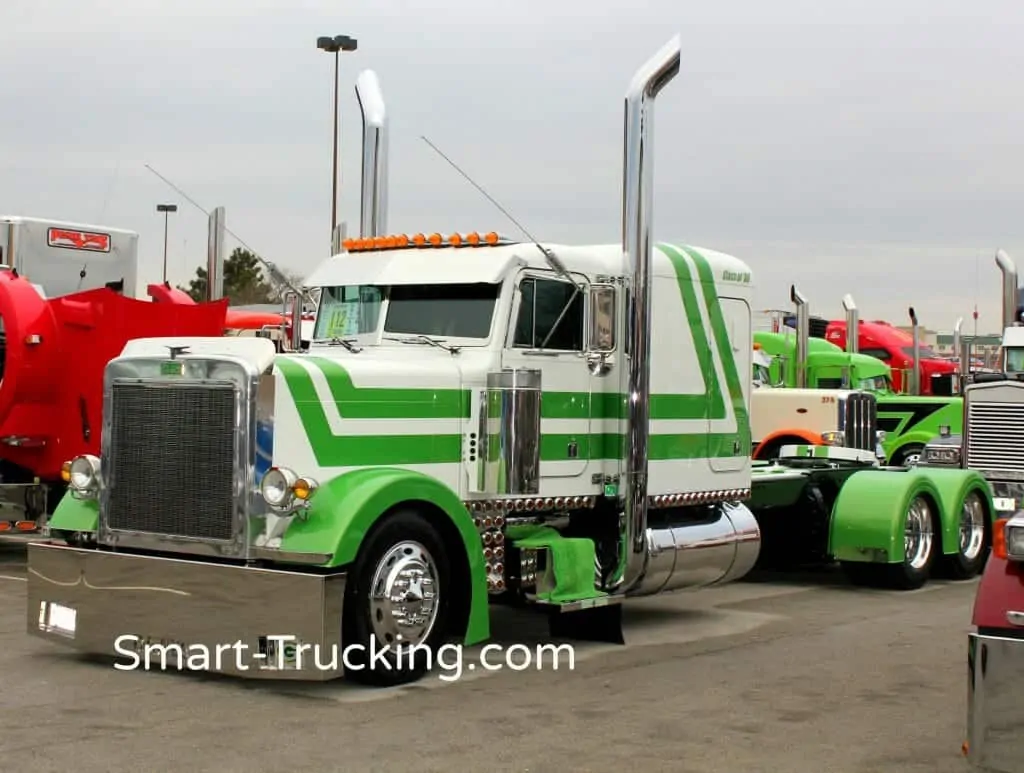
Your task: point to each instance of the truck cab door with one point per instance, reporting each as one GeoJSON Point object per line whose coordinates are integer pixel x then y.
{"type": "Point", "coordinates": [730, 436]}
{"type": "Point", "coordinates": [547, 333]}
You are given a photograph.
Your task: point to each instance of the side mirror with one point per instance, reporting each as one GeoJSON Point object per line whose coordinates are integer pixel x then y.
{"type": "Point", "coordinates": [601, 328]}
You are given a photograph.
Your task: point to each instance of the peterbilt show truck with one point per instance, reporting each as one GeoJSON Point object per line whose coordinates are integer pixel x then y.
{"type": "Point", "coordinates": [477, 419]}
{"type": "Point", "coordinates": [906, 422]}
{"type": "Point", "coordinates": [805, 414]}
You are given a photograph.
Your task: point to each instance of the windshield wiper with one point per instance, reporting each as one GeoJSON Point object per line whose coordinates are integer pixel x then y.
{"type": "Point", "coordinates": [348, 343]}
{"type": "Point", "coordinates": [423, 339]}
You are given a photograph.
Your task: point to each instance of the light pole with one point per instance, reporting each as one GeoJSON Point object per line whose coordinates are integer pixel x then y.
{"type": "Point", "coordinates": [167, 209]}
{"type": "Point", "coordinates": [335, 45]}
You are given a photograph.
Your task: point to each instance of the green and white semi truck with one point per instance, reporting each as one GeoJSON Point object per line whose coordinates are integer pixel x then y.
{"type": "Point", "coordinates": [476, 421]}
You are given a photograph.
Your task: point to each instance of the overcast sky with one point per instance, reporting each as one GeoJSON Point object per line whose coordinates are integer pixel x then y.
{"type": "Point", "coordinates": [864, 146]}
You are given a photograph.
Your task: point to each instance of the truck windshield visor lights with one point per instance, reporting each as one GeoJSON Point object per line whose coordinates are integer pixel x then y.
{"type": "Point", "coordinates": [281, 488]}
{"type": "Point", "coordinates": [82, 474]}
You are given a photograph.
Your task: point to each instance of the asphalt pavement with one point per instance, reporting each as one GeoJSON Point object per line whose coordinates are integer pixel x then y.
{"type": "Point", "coordinates": [785, 673]}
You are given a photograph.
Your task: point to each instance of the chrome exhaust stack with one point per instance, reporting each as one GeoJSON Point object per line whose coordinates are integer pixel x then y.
{"type": "Point", "coordinates": [215, 256]}
{"type": "Point", "coordinates": [374, 192]}
{"type": "Point", "coordinates": [957, 337]}
{"type": "Point", "coordinates": [664, 556]}
{"type": "Point", "coordinates": [852, 325]}
{"type": "Point", "coordinates": [637, 195]}
{"type": "Point", "coordinates": [803, 334]}
{"type": "Point", "coordinates": [916, 376]}
{"type": "Point", "coordinates": [1006, 265]}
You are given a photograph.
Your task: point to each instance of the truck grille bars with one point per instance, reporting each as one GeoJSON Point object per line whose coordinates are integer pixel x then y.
{"type": "Point", "coordinates": [170, 468]}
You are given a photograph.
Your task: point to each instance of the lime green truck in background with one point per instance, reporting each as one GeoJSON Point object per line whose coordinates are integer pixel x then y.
{"type": "Point", "coordinates": [909, 421]}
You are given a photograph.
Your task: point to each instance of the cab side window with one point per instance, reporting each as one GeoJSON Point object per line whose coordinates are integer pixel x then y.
{"type": "Point", "coordinates": [550, 317]}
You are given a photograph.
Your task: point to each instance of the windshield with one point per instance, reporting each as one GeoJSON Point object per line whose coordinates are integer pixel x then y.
{"type": "Point", "coordinates": [450, 310]}
{"type": "Point", "coordinates": [1015, 360]}
{"type": "Point", "coordinates": [927, 353]}
{"type": "Point", "coordinates": [874, 384]}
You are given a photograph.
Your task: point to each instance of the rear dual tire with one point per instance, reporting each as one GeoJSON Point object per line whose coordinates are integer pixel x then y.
{"type": "Point", "coordinates": [920, 546]}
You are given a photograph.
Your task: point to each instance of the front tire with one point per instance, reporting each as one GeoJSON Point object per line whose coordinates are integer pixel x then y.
{"type": "Point", "coordinates": [397, 602]}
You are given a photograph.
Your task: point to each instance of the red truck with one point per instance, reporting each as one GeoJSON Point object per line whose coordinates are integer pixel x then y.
{"type": "Point", "coordinates": [894, 347]}
{"type": "Point", "coordinates": [995, 656]}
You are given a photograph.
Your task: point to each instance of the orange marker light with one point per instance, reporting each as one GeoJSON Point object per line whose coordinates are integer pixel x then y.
{"type": "Point", "coordinates": [401, 240]}
{"type": "Point", "coordinates": [455, 240]}
{"type": "Point", "coordinates": [436, 239]}
{"type": "Point", "coordinates": [491, 238]}
{"type": "Point", "coordinates": [301, 489]}
{"type": "Point", "coordinates": [419, 240]}
{"type": "Point", "coordinates": [999, 538]}
{"type": "Point", "coordinates": [25, 526]}
{"type": "Point", "coordinates": [473, 239]}
{"type": "Point", "coordinates": [380, 242]}
{"type": "Point", "coordinates": [65, 472]}
{"type": "Point", "coordinates": [348, 245]}
{"type": "Point", "coordinates": [5, 525]}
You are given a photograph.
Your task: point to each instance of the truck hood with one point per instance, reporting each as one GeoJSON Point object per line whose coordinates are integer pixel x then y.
{"type": "Point", "coordinates": [340, 372]}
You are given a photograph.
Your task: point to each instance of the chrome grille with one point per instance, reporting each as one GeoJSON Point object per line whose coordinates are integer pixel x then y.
{"type": "Point", "coordinates": [995, 436]}
{"type": "Point", "coordinates": [169, 460]}
{"type": "Point", "coordinates": [860, 421]}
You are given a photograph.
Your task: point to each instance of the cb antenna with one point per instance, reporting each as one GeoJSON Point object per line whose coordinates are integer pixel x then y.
{"type": "Point", "coordinates": [276, 275]}
{"type": "Point", "coordinates": [553, 260]}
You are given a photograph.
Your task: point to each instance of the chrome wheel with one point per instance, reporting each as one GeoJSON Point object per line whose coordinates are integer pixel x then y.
{"type": "Point", "coordinates": [917, 535]}
{"type": "Point", "coordinates": [972, 527]}
{"type": "Point", "coordinates": [403, 597]}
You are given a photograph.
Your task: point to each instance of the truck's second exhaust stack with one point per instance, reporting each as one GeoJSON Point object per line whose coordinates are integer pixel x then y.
{"type": "Point", "coordinates": [215, 256]}
{"type": "Point", "coordinates": [1006, 265]}
{"type": "Point", "coordinates": [663, 555]}
{"type": "Point", "coordinates": [852, 325]}
{"type": "Point", "coordinates": [374, 192]}
{"type": "Point", "coordinates": [803, 334]}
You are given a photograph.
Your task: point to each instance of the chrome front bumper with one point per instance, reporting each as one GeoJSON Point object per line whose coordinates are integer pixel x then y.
{"type": "Point", "coordinates": [187, 614]}
{"type": "Point", "coordinates": [995, 714]}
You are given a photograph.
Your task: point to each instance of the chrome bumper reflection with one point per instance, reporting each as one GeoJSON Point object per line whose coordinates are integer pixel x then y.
{"type": "Point", "coordinates": [227, 619]}
{"type": "Point", "coordinates": [995, 714]}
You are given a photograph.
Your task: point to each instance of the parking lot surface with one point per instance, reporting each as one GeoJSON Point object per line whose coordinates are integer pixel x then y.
{"type": "Point", "coordinates": [794, 673]}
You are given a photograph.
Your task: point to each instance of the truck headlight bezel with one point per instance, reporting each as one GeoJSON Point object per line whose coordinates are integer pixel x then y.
{"type": "Point", "coordinates": [834, 438]}
{"type": "Point", "coordinates": [82, 474]}
{"type": "Point", "coordinates": [944, 455]}
{"type": "Point", "coordinates": [283, 489]}
{"type": "Point", "coordinates": [1013, 533]}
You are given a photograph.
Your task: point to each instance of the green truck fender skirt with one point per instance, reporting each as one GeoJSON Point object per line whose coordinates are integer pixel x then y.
{"type": "Point", "coordinates": [954, 486]}
{"type": "Point", "coordinates": [75, 514]}
{"type": "Point", "coordinates": [868, 518]}
{"type": "Point", "coordinates": [344, 509]}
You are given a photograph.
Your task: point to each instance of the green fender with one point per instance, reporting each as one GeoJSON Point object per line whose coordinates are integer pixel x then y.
{"type": "Point", "coordinates": [344, 510]}
{"type": "Point", "coordinates": [953, 487]}
{"type": "Point", "coordinates": [868, 516]}
{"type": "Point", "coordinates": [75, 514]}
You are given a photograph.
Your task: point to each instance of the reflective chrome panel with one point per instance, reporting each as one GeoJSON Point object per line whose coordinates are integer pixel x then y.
{"type": "Point", "coordinates": [87, 599]}
{"type": "Point", "coordinates": [995, 713]}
